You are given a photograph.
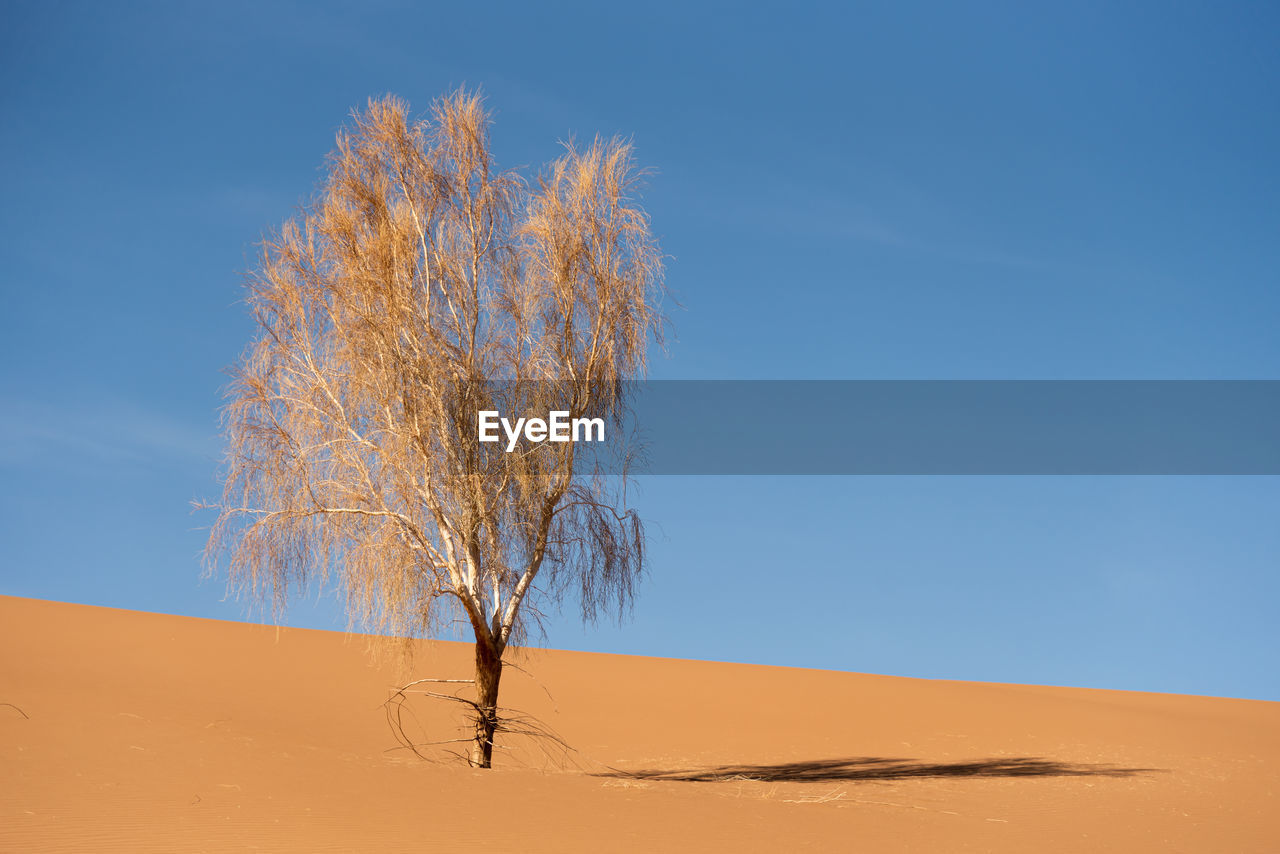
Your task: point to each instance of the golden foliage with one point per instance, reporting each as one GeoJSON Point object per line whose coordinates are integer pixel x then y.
{"type": "Point", "coordinates": [421, 285]}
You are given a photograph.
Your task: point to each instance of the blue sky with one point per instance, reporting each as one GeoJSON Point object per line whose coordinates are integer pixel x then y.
{"type": "Point", "coordinates": [878, 191]}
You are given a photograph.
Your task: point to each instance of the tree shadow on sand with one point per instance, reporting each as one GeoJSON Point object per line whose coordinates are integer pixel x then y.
{"type": "Point", "coordinates": [876, 768]}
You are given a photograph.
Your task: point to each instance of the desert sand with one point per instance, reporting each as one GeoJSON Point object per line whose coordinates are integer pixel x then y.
{"type": "Point", "coordinates": [129, 731]}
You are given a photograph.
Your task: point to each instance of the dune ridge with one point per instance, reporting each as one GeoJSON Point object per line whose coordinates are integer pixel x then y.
{"type": "Point", "coordinates": [132, 731]}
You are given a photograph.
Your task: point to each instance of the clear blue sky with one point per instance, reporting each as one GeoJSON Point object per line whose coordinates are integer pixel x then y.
{"type": "Point", "coordinates": [893, 191]}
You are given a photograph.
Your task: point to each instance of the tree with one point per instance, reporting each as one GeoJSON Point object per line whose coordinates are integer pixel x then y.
{"type": "Point", "coordinates": [420, 286]}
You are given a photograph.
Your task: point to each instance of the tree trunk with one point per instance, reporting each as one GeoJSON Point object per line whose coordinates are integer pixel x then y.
{"type": "Point", "coordinates": [488, 674]}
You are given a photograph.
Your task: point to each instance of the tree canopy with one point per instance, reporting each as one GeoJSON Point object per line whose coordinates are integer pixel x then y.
{"type": "Point", "coordinates": [421, 285]}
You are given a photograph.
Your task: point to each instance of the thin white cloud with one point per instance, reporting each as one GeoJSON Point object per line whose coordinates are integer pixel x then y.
{"type": "Point", "coordinates": [119, 432]}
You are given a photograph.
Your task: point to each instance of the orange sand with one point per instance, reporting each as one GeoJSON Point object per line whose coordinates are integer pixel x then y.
{"type": "Point", "coordinates": [147, 732]}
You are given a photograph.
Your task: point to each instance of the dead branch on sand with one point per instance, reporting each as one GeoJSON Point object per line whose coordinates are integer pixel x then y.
{"type": "Point", "coordinates": [506, 720]}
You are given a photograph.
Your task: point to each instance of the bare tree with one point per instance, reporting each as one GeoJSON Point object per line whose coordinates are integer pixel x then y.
{"type": "Point", "coordinates": [420, 286]}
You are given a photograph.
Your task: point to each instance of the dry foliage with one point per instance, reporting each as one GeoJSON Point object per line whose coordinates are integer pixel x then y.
{"type": "Point", "coordinates": [421, 285]}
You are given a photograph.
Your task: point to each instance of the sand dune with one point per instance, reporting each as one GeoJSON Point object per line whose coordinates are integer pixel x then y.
{"type": "Point", "coordinates": [127, 731]}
